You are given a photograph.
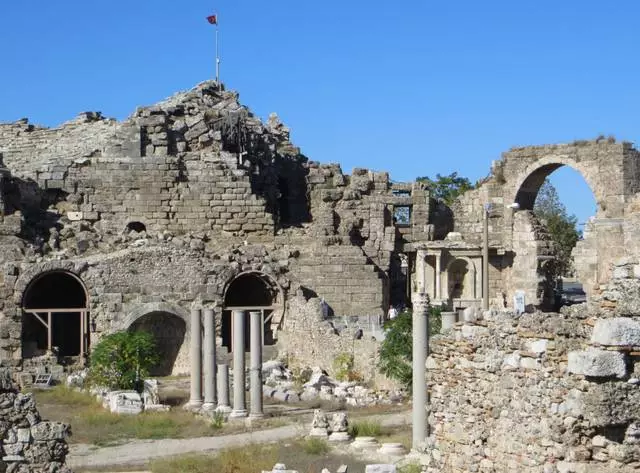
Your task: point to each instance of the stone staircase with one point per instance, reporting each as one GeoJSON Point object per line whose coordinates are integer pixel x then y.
{"type": "Point", "coordinates": [343, 276]}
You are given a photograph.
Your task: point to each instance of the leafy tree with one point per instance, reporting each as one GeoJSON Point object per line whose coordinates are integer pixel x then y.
{"type": "Point", "coordinates": [121, 360]}
{"type": "Point", "coordinates": [447, 188]}
{"type": "Point", "coordinates": [396, 351]}
{"type": "Point", "coordinates": [560, 225]}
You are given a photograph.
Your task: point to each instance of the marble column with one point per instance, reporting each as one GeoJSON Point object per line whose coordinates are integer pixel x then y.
{"type": "Point", "coordinates": [438, 294]}
{"type": "Point", "coordinates": [239, 406]}
{"type": "Point", "coordinates": [195, 399]}
{"type": "Point", "coordinates": [256, 364]}
{"type": "Point", "coordinates": [223, 389]}
{"type": "Point", "coordinates": [421, 256]}
{"type": "Point", "coordinates": [419, 385]}
{"type": "Point", "coordinates": [209, 360]}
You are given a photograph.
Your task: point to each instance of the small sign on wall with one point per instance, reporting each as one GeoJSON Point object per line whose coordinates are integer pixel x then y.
{"type": "Point", "coordinates": [519, 302]}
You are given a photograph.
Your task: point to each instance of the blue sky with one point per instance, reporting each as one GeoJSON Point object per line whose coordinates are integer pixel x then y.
{"type": "Point", "coordinates": [413, 87]}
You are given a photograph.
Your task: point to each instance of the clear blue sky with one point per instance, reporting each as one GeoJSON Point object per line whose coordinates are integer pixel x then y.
{"type": "Point", "coordinates": [414, 87]}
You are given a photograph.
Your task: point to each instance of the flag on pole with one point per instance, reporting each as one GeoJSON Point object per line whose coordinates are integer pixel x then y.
{"type": "Point", "coordinates": [213, 19]}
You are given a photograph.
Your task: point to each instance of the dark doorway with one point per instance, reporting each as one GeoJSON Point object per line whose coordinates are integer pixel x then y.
{"type": "Point", "coordinates": [249, 291]}
{"type": "Point", "coordinates": [168, 330]}
{"type": "Point", "coordinates": [55, 316]}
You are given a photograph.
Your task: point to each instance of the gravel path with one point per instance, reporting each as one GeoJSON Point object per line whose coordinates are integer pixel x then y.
{"type": "Point", "coordinates": [140, 452]}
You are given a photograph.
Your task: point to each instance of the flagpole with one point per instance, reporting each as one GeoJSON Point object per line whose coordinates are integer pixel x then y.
{"type": "Point", "coordinates": [217, 56]}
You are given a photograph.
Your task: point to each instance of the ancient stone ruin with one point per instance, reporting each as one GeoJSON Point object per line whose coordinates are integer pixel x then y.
{"type": "Point", "coordinates": [28, 443]}
{"type": "Point", "coordinates": [198, 222]}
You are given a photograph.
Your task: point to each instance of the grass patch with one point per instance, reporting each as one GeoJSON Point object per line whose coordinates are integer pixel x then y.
{"type": "Point", "coordinates": [255, 458]}
{"type": "Point", "coordinates": [410, 468]}
{"type": "Point", "coordinates": [315, 446]}
{"type": "Point", "coordinates": [90, 423]}
{"type": "Point", "coordinates": [249, 459]}
{"type": "Point", "coordinates": [365, 428]}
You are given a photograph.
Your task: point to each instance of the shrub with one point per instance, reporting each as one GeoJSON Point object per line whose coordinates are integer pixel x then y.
{"type": "Point", "coordinates": [122, 360]}
{"type": "Point", "coordinates": [396, 349]}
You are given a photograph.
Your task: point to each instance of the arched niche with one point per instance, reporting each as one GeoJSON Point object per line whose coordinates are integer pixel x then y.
{"type": "Point", "coordinates": [252, 291]}
{"type": "Point", "coordinates": [168, 331]}
{"type": "Point", "coordinates": [55, 309]}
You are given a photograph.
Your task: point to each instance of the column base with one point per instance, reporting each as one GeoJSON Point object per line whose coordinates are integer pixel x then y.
{"type": "Point", "coordinates": [193, 405]}
{"type": "Point", "coordinates": [224, 409]}
{"type": "Point", "coordinates": [256, 416]}
{"type": "Point", "coordinates": [237, 413]}
{"type": "Point", "coordinates": [209, 406]}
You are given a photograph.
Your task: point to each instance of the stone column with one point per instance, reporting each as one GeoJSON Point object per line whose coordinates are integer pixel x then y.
{"type": "Point", "coordinates": [239, 408]}
{"type": "Point", "coordinates": [256, 364]}
{"type": "Point", "coordinates": [223, 389]}
{"type": "Point", "coordinates": [419, 385]}
{"type": "Point", "coordinates": [209, 360]}
{"type": "Point", "coordinates": [438, 278]}
{"type": "Point", "coordinates": [420, 272]}
{"type": "Point", "coordinates": [195, 399]}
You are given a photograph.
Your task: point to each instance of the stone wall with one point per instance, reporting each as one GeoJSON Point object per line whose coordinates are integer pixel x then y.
{"type": "Point", "coordinates": [541, 392]}
{"type": "Point", "coordinates": [29, 444]}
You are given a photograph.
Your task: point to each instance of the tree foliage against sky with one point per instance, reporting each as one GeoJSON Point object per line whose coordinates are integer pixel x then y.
{"type": "Point", "coordinates": [447, 188]}
{"type": "Point", "coordinates": [561, 226]}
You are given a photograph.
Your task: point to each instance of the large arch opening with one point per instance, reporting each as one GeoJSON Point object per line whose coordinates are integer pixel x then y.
{"type": "Point", "coordinates": [169, 331]}
{"type": "Point", "coordinates": [55, 316]}
{"type": "Point", "coordinates": [558, 206]}
{"type": "Point", "coordinates": [250, 291]}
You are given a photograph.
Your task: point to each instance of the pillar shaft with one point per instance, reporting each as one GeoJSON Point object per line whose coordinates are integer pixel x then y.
{"type": "Point", "coordinates": [438, 293]}
{"type": "Point", "coordinates": [209, 359]}
{"type": "Point", "coordinates": [485, 259]}
{"type": "Point", "coordinates": [419, 380]}
{"type": "Point", "coordinates": [239, 407]}
{"type": "Point", "coordinates": [223, 389]}
{"type": "Point", "coordinates": [195, 399]}
{"type": "Point", "coordinates": [256, 364]}
{"type": "Point", "coordinates": [420, 270]}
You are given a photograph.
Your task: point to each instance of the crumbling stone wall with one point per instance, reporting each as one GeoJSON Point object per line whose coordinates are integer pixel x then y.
{"type": "Point", "coordinates": [538, 392]}
{"type": "Point", "coordinates": [611, 170]}
{"type": "Point", "coordinates": [29, 444]}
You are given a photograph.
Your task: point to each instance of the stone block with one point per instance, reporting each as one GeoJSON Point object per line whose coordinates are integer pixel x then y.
{"type": "Point", "coordinates": [125, 402]}
{"type": "Point", "coordinates": [380, 468]}
{"type": "Point", "coordinates": [597, 363]}
{"type": "Point", "coordinates": [619, 331]}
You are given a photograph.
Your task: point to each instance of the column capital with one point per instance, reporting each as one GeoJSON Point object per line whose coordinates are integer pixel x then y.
{"type": "Point", "coordinates": [420, 299]}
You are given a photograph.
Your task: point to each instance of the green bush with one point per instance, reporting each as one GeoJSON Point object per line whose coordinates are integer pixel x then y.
{"type": "Point", "coordinates": [122, 360]}
{"type": "Point", "coordinates": [396, 350]}
{"type": "Point", "coordinates": [343, 368]}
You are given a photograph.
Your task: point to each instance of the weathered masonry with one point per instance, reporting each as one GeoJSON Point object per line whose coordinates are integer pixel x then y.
{"type": "Point", "coordinates": [196, 203]}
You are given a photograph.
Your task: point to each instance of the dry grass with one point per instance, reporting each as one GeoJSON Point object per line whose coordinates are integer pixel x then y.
{"type": "Point", "coordinates": [90, 423]}
{"type": "Point", "coordinates": [255, 458]}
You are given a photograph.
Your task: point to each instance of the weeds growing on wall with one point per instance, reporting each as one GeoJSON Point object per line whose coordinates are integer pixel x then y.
{"type": "Point", "coordinates": [396, 350]}
{"type": "Point", "coordinates": [122, 360]}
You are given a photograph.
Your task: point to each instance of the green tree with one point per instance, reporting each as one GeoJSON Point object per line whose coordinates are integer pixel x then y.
{"type": "Point", "coordinates": [560, 225]}
{"type": "Point", "coordinates": [396, 351]}
{"type": "Point", "coordinates": [121, 360]}
{"type": "Point", "coordinates": [447, 188]}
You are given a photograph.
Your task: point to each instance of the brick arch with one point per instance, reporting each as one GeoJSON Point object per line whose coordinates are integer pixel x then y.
{"type": "Point", "coordinates": [266, 278]}
{"type": "Point", "coordinates": [31, 273]}
{"type": "Point", "coordinates": [144, 309]}
{"type": "Point", "coordinates": [529, 182]}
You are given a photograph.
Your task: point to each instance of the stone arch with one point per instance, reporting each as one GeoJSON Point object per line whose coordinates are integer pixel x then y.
{"type": "Point", "coordinates": [168, 323]}
{"type": "Point", "coordinates": [529, 183]}
{"type": "Point", "coordinates": [253, 290]}
{"type": "Point", "coordinates": [55, 310]}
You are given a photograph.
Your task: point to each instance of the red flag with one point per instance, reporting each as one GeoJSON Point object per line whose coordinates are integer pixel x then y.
{"type": "Point", "coordinates": [213, 19]}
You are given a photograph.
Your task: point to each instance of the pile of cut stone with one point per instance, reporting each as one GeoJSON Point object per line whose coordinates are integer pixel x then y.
{"type": "Point", "coordinates": [279, 384]}
{"type": "Point", "coordinates": [28, 443]}
{"type": "Point", "coordinates": [378, 468]}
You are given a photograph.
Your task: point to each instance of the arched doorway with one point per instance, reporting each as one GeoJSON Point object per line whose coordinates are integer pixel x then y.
{"type": "Point", "coordinates": [553, 251]}
{"type": "Point", "coordinates": [250, 291]}
{"type": "Point", "coordinates": [55, 316]}
{"type": "Point", "coordinates": [168, 330]}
